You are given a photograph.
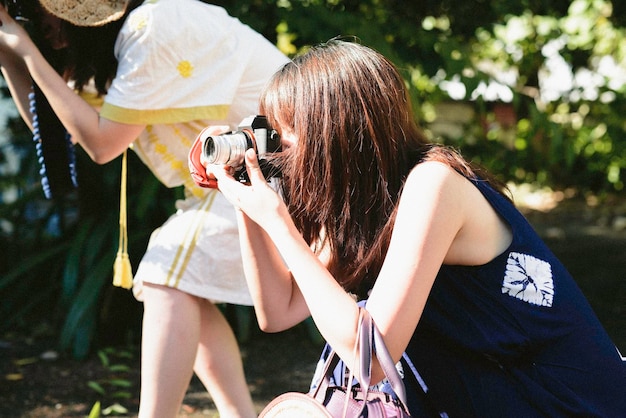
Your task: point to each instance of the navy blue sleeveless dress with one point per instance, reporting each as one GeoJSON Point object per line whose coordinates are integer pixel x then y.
{"type": "Point", "coordinates": [514, 338]}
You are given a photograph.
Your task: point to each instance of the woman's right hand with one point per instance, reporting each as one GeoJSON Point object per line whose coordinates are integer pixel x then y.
{"type": "Point", "coordinates": [14, 40]}
{"type": "Point", "coordinates": [257, 199]}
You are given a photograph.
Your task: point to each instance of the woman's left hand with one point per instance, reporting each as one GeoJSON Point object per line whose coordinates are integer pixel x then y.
{"type": "Point", "coordinates": [198, 171]}
{"type": "Point", "coordinates": [257, 199]}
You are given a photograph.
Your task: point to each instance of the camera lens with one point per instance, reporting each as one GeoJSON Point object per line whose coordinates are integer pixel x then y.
{"type": "Point", "coordinates": [227, 149]}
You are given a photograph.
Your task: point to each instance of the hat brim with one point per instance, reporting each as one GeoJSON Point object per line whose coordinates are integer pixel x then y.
{"type": "Point", "coordinates": [86, 12]}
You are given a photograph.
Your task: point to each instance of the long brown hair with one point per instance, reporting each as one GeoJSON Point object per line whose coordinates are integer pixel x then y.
{"type": "Point", "coordinates": [357, 141]}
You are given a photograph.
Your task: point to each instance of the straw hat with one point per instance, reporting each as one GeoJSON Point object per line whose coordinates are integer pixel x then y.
{"type": "Point", "coordinates": [86, 12]}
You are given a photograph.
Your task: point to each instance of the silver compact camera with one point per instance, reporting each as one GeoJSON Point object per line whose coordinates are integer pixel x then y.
{"type": "Point", "coordinates": [230, 148]}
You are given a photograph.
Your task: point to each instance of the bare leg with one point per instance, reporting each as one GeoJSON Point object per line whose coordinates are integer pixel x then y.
{"type": "Point", "coordinates": [171, 332]}
{"type": "Point", "coordinates": [219, 366]}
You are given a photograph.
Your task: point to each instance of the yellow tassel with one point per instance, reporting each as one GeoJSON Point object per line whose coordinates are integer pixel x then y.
{"type": "Point", "coordinates": [122, 270]}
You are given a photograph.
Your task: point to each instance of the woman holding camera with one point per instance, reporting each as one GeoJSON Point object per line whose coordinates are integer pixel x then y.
{"type": "Point", "coordinates": [453, 274]}
{"type": "Point", "coordinates": [160, 84]}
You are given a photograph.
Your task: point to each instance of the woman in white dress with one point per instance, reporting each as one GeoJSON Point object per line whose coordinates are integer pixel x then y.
{"type": "Point", "coordinates": [161, 83]}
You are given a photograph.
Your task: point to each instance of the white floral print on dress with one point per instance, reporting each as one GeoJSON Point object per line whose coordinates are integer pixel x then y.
{"type": "Point", "coordinates": [529, 279]}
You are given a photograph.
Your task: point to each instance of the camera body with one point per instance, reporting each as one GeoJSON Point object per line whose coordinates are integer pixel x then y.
{"type": "Point", "coordinates": [230, 148]}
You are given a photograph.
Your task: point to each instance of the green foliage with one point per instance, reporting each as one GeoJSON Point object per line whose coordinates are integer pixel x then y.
{"type": "Point", "coordinates": [114, 387]}
{"type": "Point", "coordinates": [59, 266]}
{"type": "Point", "coordinates": [567, 94]}
{"type": "Point", "coordinates": [477, 73]}
{"type": "Point", "coordinates": [95, 410]}
{"type": "Point", "coordinates": [559, 134]}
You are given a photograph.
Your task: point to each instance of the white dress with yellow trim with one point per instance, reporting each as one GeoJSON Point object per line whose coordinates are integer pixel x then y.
{"type": "Point", "coordinates": [177, 81]}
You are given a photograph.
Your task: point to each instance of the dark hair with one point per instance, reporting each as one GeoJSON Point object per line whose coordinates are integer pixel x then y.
{"type": "Point", "coordinates": [358, 140]}
{"type": "Point", "coordinates": [90, 52]}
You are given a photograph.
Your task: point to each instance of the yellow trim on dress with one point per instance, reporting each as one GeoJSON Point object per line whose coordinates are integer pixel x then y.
{"type": "Point", "coordinates": [183, 254]}
{"type": "Point", "coordinates": [94, 99]}
{"type": "Point", "coordinates": [163, 116]}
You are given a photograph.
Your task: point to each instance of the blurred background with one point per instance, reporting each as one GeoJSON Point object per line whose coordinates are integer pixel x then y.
{"type": "Point", "coordinates": [531, 89]}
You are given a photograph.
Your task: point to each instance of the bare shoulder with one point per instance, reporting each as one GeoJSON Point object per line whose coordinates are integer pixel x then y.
{"type": "Point", "coordinates": [431, 167]}
{"type": "Point", "coordinates": [437, 177]}
{"type": "Point", "coordinates": [481, 233]}
{"type": "Point", "coordinates": [435, 194]}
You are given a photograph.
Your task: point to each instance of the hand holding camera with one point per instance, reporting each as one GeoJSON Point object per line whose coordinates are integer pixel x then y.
{"type": "Point", "coordinates": [229, 149]}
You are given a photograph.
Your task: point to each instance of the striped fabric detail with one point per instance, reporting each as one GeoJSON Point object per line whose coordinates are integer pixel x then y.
{"type": "Point", "coordinates": [183, 255]}
{"type": "Point", "coordinates": [163, 116]}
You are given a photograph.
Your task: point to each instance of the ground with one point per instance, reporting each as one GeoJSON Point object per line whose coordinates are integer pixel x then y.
{"type": "Point", "coordinates": [274, 363]}
{"type": "Point", "coordinates": [589, 235]}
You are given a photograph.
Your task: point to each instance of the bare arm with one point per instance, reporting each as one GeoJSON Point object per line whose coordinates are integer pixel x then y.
{"type": "Point", "coordinates": [102, 139]}
{"type": "Point", "coordinates": [286, 299]}
{"type": "Point", "coordinates": [435, 212]}
{"type": "Point", "coordinates": [286, 278]}
{"type": "Point", "coordinates": [278, 302]}
{"type": "Point", "coordinates": [20, 84]}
